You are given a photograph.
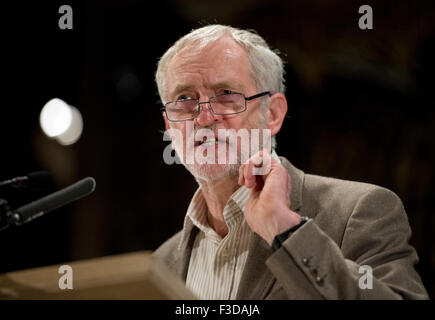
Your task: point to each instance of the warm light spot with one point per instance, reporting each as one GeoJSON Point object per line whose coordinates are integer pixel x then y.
{"type": "Point", "coordinates": [61, 121]}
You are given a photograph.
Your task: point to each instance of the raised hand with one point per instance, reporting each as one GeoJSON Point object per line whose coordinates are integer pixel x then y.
{"type": "Point", "coordinates": [267, 210]}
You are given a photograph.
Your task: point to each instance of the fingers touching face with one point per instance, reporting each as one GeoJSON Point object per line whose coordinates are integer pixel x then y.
{"type": "Point", "coordinates": [249, 173]}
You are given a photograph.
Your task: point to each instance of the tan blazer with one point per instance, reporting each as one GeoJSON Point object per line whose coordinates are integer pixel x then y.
{"type": "Point", "coordinates": [353, 224]}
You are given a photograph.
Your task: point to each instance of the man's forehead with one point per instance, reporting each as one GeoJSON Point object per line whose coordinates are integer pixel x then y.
{"type": "Point", "coordinates": [226, 60]}
{"type": "Point", "coordinates": [215, 54]}
{"type": "Point", "coordinates": [225, 47]}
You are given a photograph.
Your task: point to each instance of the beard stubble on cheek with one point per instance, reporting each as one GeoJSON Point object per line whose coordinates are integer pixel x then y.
{"type": "Point", "coordinates": [185, 149]}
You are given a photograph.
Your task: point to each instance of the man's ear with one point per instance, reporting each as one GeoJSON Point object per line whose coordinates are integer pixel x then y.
{"type": "Point", "coordinates": [276, 112]}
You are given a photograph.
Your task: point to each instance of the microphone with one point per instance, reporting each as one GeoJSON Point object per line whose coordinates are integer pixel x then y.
{"type": "Point", "coordinates": [34, 179]}
{"type": "Point", "coordinates": [51, 202]}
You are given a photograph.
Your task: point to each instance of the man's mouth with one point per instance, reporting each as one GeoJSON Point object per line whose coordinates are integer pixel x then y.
{"type": "Point", "coordinates": [206, 142]}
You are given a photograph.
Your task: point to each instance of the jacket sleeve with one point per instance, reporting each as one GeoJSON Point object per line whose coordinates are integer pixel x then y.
{"type": "Point", "coordinates": [375, 243]}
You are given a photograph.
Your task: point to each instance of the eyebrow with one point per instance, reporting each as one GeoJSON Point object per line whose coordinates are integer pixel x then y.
{"type": "Point", "coordinates": [223, 84]}
{"type": "Point", "coordinates": [179, 88]}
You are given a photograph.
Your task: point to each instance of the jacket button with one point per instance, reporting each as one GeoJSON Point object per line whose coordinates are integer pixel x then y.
{"type": "Point", "coordinates": [319, 280]}
{"type": "Point", "coordinates": [305, 261]}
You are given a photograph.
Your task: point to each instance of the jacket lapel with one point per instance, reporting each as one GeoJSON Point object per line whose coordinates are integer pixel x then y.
{"type": "Point", "coordinates": [181, 258]}
{"type": "Point", "coordinates": [257, 280]}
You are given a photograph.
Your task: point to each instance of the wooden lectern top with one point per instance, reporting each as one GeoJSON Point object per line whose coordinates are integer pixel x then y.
{"type": "Point", "coordinates": [136, 275]}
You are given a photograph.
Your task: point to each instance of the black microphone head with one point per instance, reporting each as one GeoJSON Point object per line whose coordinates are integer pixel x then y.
{"type": "Point", "coordinates": [39, 179]}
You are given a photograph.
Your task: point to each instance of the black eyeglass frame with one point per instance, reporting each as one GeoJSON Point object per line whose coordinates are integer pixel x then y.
{"type": "Point", "coordinates": [255, 96]}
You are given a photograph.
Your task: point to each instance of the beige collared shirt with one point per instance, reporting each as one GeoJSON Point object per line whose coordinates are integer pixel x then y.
{"type": "Point", "coordinates": [216, 264]}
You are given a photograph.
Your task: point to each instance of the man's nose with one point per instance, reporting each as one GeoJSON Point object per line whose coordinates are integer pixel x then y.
{"type": "Point", "coordinates": [206, 116]}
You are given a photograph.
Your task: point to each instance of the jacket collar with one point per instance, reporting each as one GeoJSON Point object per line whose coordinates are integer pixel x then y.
{"type": "Point", "coordinates": [297, 181]}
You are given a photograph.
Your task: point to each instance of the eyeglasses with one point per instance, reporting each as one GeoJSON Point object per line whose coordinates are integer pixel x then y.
{"type": "Point", "coordinates": [222, 104]}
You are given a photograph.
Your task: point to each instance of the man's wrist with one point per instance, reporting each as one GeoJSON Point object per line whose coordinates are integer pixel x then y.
{"type": "Point", "coordinates": [284, 219]}
{"type": "Point", "coordinates": [280, 238]}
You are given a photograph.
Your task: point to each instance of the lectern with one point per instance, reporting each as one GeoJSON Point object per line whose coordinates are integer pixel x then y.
{"type": "Point", "coordinates": [136, 275]}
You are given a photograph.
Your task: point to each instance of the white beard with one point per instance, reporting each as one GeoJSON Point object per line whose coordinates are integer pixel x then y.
{"type": "Point", "coordinates": [208, 172]}
{"type": "Point", "coordinates": [214, 171]}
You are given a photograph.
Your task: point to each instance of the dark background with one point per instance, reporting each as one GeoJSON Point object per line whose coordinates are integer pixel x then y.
{"type": "Point", "coordinates": [361, 108]}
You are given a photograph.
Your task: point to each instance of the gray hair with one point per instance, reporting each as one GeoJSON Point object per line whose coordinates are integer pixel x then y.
{"type": "Point", "coordinates": [267, 67]}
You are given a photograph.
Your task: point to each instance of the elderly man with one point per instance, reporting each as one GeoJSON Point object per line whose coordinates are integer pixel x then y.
{"type": "Point", "coordinates": [281, 234]}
